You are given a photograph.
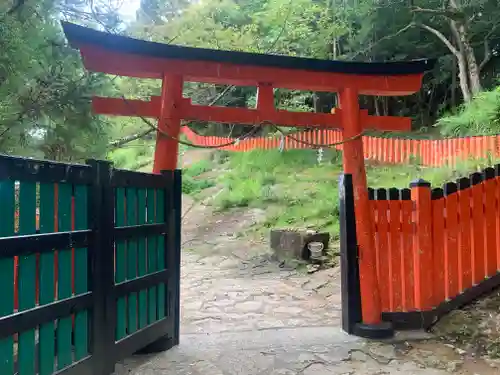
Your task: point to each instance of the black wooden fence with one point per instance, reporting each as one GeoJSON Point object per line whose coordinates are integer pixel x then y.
{"type": "Point", "coordinates": [89, 265]}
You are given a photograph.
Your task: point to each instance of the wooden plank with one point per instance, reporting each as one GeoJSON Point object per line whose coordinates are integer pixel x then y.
{"type": "Point", "coordinates": [131, 216]}
{"type": "Point", "coordinates": [451, 240]}
{"type": "Point", "coordinates": [64, 282]}
{"type": "Point", "coordinates": [46, 351]}
{"type": "Point", "coordinates": [160, 218]}
{"type": "Point", "coordinates": [27, 276]}
{"type": "Point", "coordinates": [395, 274]}
{"type": "Point", "coordinates": [422, 244]}
{"type": "Point", "coordinates": [464, 239]}
{"type": "Point", "coordinates": [382, 230]}
{"type": "Point", "coordinates": [81, 274]}
{"type": "Point", "coordinates": [7, 274]}
{"type": "Point", "coordinates": [152, 257]}
{"type": "Point", "coordinates": [141, 255]}
{"type": "Point", "coordinates": [490, 187]}
{"type": "Point", "coordinates": [121, 266]}
{"type": "Point", "coordinates": [439, 279]}
{"type": "Point", "coordinates": [478, 225]}
{"type": "Point", "coordinates": [407, 254]}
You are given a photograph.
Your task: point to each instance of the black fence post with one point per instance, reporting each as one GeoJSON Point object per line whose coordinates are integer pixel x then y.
{"type": "Point", "coordinates": [176, 218]}
{"type": "Point", "coordinates": [173, 193]}
{"type": "Point", "coordinates": [101, 267]}
{"type": "Point", "coordinates": [350, 288]}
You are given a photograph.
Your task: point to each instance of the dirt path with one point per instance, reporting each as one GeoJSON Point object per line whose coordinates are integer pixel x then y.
{"type": "Point", "coordinates": [241, 313]}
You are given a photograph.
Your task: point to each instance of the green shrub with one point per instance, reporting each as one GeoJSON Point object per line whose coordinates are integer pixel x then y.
{"type": "Point", "coordinates": [198, 168]}
{"type": "Point", "coordinates": [479, 117]}
{"type": "Point", "coordinates": [192, 185]}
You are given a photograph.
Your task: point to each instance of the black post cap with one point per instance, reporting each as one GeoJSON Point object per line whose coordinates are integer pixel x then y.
{"type": "Point", "coordinates": [420, 183]}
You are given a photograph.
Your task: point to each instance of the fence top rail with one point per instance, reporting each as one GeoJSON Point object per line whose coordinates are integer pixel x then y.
{"type": "Point", "coordinates": [126, 178]}
{"type": "Point", "coordinates": [372, 134]}
{"type": "Point", "coordinates": [32, 170]}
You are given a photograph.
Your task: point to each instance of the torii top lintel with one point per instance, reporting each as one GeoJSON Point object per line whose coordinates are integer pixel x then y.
{"type": "Point", "coordinates": [115, 54]}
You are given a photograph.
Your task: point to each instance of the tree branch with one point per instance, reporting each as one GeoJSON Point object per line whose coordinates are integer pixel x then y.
{"type": "Point", "coordinates": [488, 54]}
{"type": "Point", "coordinates": [141, 164]}
{"type": "Point", "coordinates": [129, 138]}
{"type": "Point", "coordinates": [441, 37]}
{"type": "Point", "coordinates": [397, 33]}
{"type": "Point", "coordinates": [448, 13]}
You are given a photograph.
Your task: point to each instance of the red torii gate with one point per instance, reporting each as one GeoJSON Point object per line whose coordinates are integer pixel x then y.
{"type": "Point", "coordinates": [174, 65]}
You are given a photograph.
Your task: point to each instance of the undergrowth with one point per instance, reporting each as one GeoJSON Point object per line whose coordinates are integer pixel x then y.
{"type": "Point", "coordinates": [479, 117]}
{"type": "Point", "coordinates": [192, 177]}
{"type": "Point", "coordinates": [293, 189]}
{"type": "Point", "coordinates": [296, 191]}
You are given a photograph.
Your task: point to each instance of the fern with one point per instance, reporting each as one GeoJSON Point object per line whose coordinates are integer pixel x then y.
{"type": "Point", "coordinates": [479, 117]}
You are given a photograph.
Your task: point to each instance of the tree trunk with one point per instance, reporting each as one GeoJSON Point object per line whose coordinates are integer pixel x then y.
{"type": "Point", "coordinates": [377, 107]}
{"type": "Point", "coordinates": [470, 57]}
{"type": "Point", "coordinates": [464, 77]}
{"type": "Point", "coordinates": [474, 73]}
{"type": "Point", "coordinates": [459, 29]}
{"type": "Point", "coordinates": [463, 68]}
{"type": "Point", "coordinates": [454, 86]}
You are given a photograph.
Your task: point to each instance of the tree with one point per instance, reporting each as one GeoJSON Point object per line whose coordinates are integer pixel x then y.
{"type": "Point", "coordinates": [44, 90]}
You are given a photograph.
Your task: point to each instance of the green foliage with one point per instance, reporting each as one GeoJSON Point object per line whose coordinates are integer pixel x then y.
{"type": "Point", "coordinates": [44, 92]}
{"type": "Point", "coordinates": [296, 192]}
{"type": "Point", "coordinates": [400, 176]}
{"type": "Point", "coordinates": [198, 168]}
{"type": "Point", "coordinates": [479, 117]}
{"type": "Point", "coordinates": [192, 180]}
{"type": "Point", "coordinates": [291, 186]}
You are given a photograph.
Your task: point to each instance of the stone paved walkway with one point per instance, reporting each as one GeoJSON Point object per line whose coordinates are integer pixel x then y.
{"type": "Point", "coordinates": [253, 318]}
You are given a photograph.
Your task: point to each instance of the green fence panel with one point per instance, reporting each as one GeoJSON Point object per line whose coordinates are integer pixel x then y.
{"type": "Point", "coordinates": [46, 351]}
{"type": "Point", "coordinates": [152, 257]}
{"type": "Point", "coordinates": [81, 275]}
{"type": "Point", "coordinates": [64, 282]}
{"type": "Point", "coordinates": [121, 266]}
{"type": "Point", "coordinates": [27, 277]}
{"type": "Point", "coordinates": [7, 274]}
{"type": "Point", "coordinates": [131, 209]}
{"type": "Point", "coordinates": [160, 218]}
{"type": "Point", "coordinates": [141, 254]}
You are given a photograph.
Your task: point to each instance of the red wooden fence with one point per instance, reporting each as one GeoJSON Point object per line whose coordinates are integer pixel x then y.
{"type": "Point", "coordinates": [429, 152]}
{"type": "Point", "coordinates": [433, 245]}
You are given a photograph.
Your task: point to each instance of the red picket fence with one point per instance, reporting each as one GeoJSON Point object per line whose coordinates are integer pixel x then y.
{"type": "Point", "coordinates": [429, 152]}
{"type": "Point", "coordinates": [435, 247]}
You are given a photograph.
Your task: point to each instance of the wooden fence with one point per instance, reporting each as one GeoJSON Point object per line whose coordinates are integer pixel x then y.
{"type": "Point", "coordinates": [428, 152]}
{"type": "Point", "coordinates": [436, 248]}
{"type": "Point", "coordinates": [89, 265]}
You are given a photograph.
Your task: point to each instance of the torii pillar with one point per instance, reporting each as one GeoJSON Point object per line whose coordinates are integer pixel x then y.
{"type": "Point", "coordinates": [169, 124]}
{"type": "Point", "coordinates": [354, 164]}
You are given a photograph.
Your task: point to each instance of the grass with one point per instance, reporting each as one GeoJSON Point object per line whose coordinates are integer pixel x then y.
{"type": "Point", "coordinates": [193, 181]}
{"type": "Point", "coordinates": [293, 189]}
{"type": "Point", "coordinates": [296, 191]}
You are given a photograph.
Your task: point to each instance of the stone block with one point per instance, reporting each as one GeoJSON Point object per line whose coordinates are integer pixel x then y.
{"type": "Point", "coordinates": [288, 243]}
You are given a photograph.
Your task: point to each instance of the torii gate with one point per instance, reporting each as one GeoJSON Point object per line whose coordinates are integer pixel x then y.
{"type": "Point", "coordinates": [174, 65]}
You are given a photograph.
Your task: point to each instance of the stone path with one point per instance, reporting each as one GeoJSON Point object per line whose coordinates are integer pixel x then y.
{"type": "Point", "coordinates": [252, 317]}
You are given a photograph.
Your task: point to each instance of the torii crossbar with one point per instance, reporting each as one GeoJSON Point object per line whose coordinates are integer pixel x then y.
{"type": "Point", "coordinates": [174, 65]}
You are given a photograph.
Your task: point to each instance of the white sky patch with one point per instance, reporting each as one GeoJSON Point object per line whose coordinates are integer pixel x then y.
{"type": "Point", "coordinates": [129, 8]}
